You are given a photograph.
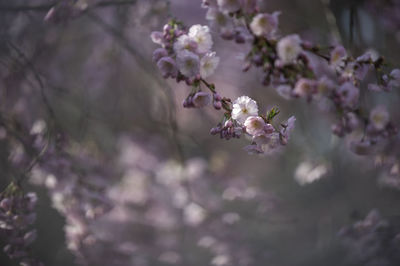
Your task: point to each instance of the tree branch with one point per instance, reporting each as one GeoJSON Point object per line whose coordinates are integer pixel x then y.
{"type": "Point", "coordinates": [46, 7]}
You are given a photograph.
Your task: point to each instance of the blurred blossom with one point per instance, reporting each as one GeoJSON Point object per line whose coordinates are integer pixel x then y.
{"type": "Point", "coordinates": [170, 257]}
{"type": "Point", "coordinates": [308, 172]}
{"type": "Point", "coordinates": [230, 218]}
{"type": "Point", "coordinates": [285, 91]}
{"type": "Point", "coordinates": [153, 202]}
{"type": "Point", "coordinates": [167, 67]}
{"type": "Point", "coordinates": [229, 5]}
{"type": "Point", "coordinates": [38, 127]}
{"type": "Point", "coordinates": [289, 48]}
{"type": "Point", "coordinates": [305, 88]}
{"type": "Point", "coordinates": [338, 55]}
{"type": "Point", "coordinates": [188, 63]}
{"type": "Point", "coordinates": [219, 20]}
{"type": "Point", "coordinates": [370, 240]}
{"type": "Point", "coordinates": [206, 241]}
{"type": "Point", "coordinates": [265, 24]}
{"type": "Point", "coordinates": [208, 65]}
{"type": "Point", "coordinates": [17, 216]}
{"type": "Point", "coordinates": [220, 260]}
{"type": "Point", "coordinates": [348, 94]}
{"type": "Point", "coordinates": [379, 117]}
{"type": "Point", "coordinates": [194, 214]}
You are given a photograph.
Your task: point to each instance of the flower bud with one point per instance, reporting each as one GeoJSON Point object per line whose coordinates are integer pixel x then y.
{"type": "Point", "coordinates": [215, 131]}
{"type": "Point", "coordinates": [217, 97]}
{"type": "Point", "coordinates": [268, 129]}
{"type": "Point", "coordinates": [217, 105]}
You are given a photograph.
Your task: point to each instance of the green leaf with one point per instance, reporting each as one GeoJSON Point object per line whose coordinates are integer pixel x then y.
{"type": "Point", "coordinates": [272, 113]}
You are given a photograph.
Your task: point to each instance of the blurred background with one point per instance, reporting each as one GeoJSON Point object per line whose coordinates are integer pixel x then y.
{"type": "Point", "coordinates": [181, 196]}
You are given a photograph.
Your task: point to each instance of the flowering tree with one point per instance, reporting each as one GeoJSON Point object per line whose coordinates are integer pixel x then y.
{"type": "Point", "coordinates": [88, 126]}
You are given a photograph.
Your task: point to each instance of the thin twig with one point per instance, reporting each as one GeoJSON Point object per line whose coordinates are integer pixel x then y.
{"type": "Point", "coordinates": [46, 7]}
{"type": "Point", "coordinates": [36, 159]}
{"type": "Point", "coordinates": [38, 79]}
{"type": "Point", "coordinates": [144, 64]}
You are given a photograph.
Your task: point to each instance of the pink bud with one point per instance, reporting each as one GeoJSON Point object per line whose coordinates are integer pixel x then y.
{"type": "Point", "coordinates": [268, 129]}
{"type": "Point", "coordinates": [217, 105]}
{"type": "Point", "coordinates": [217, 97]}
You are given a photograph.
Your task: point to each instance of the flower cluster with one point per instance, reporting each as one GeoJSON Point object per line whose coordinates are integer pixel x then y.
{"type": "Point", "coordinates": [187, 55]}
{"type": "Point", "coordinates": [76, 184]}
{"type": "Point", "coordinates": [155, 200]}
{"type": "Point", "coordinates": [330, 76]}
{"type": "Point", "coordinates": [221, 16]}
{"type": "Point", "coordinates": [265, 138]}
{"type": "Point", "coordinates": [16, 217]}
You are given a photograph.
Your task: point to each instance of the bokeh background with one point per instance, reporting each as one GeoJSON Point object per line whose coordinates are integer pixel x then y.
{"type": "Point", "coordinates": [185, 197]}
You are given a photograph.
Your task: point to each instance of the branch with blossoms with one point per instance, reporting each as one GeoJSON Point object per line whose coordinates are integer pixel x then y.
{"type": "Point", "coordinates": [186, 55]}
{"type": "Point", "coordinates": [296, 68]}
{"type": "Point", "coordinates": [16, 218]}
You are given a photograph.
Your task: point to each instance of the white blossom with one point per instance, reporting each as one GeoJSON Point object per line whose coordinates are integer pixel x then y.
{"type": "Point", "coordinates": [307, 172]}
{"type": "Point", "coordinates": [265, 24]}
{"type": "Point", "coordinates": [201, 35]}
{"type": "Point", "coordinates": [254, 125]}
{"type": "Point", "coordinates": [287, 130]}
{"type": "Point", "coordinates": [338, 55]}
{"type": "Point", "coordinates": [194, 214]}
{"type": "Point", "coordinates": [379, 117]}
{"type": "Point", "coordinates": [304, 87]}
{"type": "Point", "coordinates": [243, 107]}
{"type": "Point", "coordinates": [208, 64]}
{"type": "Point", "coordinates": [349, 94]}
{"type": "Point", "coordinates": [289, 49]}
{"type": "Point", "coordinates": [185, 42]}
{"type": "Point", "coordinates": [220, 260]}
{"type": "Point", "coordinates": [395, 78]}
{"type": "Point", "coordinates": [219, 19]}
{"type": "Point", "coordinates": [188, 63]}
